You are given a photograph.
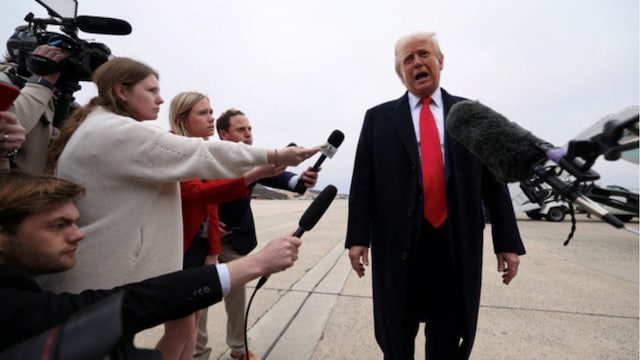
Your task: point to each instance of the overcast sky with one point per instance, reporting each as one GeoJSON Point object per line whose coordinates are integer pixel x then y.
{"type": "Point", "coordinates": [300, 69]}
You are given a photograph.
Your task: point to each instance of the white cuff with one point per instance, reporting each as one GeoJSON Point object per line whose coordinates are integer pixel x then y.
{"type": "Point", "coordinates": [293, 181]}
{"type": "Point", "coordinates": [225, 279]}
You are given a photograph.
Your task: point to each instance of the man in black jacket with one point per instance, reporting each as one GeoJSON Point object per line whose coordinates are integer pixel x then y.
{"type": "Point", "coordinates": [240, 238]}
{"type": "Point", "coordinates": [38, 235]}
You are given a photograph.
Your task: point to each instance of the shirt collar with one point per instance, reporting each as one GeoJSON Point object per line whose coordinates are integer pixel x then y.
{"type": "Point", "coordinates": [414, 101]}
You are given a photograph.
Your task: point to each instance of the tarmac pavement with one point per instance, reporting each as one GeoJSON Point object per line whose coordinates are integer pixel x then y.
{"type": "Point", "coordinates": [568, 302]}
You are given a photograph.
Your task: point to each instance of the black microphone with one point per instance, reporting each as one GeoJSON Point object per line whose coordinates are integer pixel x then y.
{"type": "Point", "coordinates": [315, 211]}
{"type": "Point", "coordinates": [311, 217]}
{"type": "Point", "coordinates": [508, 150]}
{"type": "Point", "coordinates": [328, 150]}
{"type": "Point", "coordinates": [103, 25]}
{"type": "Point", "coordinates": [514, 154]}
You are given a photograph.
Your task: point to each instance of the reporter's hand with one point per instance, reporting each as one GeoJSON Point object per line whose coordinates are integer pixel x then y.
{"type": "Point", "coordinates": [279, 254]}
{"type": "Point", "coordinates": [309, 177]}
{"type": "Point", "coordinates": [15, 134]}
{"type": "Point", "coordinates": [223, 229]}
{"type": "Point", "coordinates": [294, 155]}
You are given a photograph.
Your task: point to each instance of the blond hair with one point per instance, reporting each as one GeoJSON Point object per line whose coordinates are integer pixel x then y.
{"type": "Point", "coordinates": [417, 36]}
{"type": "Point", "coordinates": [179, 110]}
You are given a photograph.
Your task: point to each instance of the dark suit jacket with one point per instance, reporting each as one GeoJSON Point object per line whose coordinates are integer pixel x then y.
{"type": "Point", "coordinates": [238, 217]}
{"type": "Point", "coordinates": [27, 310]}
{"type": "Point", "coordinates": [386, 211]}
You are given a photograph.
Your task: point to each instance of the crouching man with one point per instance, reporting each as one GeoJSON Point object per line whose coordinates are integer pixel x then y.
{"type": "Point", "coordinates": [38, 235]}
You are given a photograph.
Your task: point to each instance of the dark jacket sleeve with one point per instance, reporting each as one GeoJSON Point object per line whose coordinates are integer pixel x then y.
{"type": "Point", "coordinates": [26, 310]}
{"type": "Point", "coordinates": [504, 227]}
{"type": "Point", "coordinates": [360, 200]}
{"type": "Point", "coordinates": [278, 182]}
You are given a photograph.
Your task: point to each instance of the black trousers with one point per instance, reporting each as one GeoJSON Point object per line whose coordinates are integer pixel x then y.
{"type": "Point", "coordinates": [436, 297]}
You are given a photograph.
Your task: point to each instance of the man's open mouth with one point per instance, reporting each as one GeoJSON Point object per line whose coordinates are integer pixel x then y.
{"type": "Point", "coordinates": [421, 75]}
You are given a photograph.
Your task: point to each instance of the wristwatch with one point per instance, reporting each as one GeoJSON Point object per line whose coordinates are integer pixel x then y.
{"type": "Point", "coordinates": [9, 155]}
{"type": "Point", "coordinates": [40, 80]}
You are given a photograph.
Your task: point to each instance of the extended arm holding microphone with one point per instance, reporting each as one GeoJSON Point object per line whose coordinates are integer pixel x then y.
{"type": "Point", "coordinates": [328, 150]}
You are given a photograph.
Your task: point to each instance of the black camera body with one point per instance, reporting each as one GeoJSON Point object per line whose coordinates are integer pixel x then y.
{"type": "Point", "coordinates": [83, 58]}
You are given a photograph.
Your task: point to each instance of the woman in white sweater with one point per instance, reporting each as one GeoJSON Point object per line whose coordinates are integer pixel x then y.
{"type": "Point", "coordinates": [131, 214]}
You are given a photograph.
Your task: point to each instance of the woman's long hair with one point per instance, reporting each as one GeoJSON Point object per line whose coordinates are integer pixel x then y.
{"type": "Point", "coordinates": [119, 70]}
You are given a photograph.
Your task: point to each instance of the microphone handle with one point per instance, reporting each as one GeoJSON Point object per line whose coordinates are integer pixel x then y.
{"type": "Point", "coordinates": [298, 233]}
{"type": "Point", "coordinates": [300, 188]}
{"type": "Point", "coordinates": [316, 166]}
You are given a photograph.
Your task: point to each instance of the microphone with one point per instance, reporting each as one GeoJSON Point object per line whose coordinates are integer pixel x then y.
{"type": "Point", "coordinates": [328, 150]}
{"type": "Point", "coordinates": [514, 154]}
{"type": "Point", "coordinates": [315, 211]}
{"type": "Point", "coordinates": [103, 25]}
{"type": "Point", "coordinates": [310, 217]}
{"type": "Point", "coordinates": [508, 150]}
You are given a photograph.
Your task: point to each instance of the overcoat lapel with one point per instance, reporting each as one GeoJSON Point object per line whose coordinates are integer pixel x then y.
{"type": "Point", "coordinates": [400, 116]}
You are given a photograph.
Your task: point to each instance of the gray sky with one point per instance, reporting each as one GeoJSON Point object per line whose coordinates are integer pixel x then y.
{"type": "Point", "coordinates": [300, 69]}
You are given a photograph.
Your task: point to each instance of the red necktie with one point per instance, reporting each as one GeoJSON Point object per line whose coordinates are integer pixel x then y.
{"type": "Point", "coordinates": [435, 192]}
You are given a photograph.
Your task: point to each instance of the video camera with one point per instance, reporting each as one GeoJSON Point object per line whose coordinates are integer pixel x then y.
{"type": "Point", "coordinates": [84, 57]}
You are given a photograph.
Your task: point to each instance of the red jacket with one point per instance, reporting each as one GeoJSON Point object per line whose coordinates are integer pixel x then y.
{"type": "Point", "coordinates": [199, 198]}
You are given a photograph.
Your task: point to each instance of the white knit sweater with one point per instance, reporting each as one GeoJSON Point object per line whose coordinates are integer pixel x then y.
{"type": "Point", "coordinates": [132, 213]}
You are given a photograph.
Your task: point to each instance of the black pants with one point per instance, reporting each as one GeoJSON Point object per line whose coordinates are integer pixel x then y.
{"type": "Point", "coordinates": [436, 297]}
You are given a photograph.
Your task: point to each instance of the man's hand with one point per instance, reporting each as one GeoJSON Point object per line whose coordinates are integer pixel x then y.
{"type": "Point", "coordinates": [279, 254]}
{"type": "Point", "coordinates": [12, 134]}
{"type": "Point", "coordinates": [309, 177]}
{"type": "Point", "coordinates": [223, 229]}
{"type": "Point", "coordinates": [53, 53]}
{"type": "Point", "coordinates": [359, 256]}
{"type": "Point", "coordinates": [508, 266]}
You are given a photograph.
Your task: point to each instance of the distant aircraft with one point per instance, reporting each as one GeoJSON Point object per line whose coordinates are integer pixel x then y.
{"type": "Point", "coordinates": [628, 134]}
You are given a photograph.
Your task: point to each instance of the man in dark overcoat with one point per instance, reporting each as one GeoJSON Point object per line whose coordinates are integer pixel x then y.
{"type": "Point", "coordinates": [424, 271]}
